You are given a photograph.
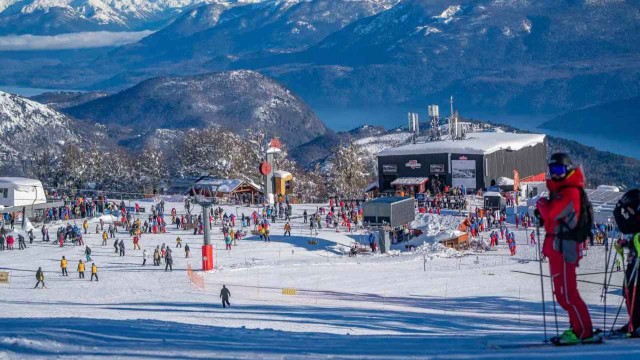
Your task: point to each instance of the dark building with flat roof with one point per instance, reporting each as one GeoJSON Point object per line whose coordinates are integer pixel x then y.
{"type": "Point", "coordinates": [471, 163]}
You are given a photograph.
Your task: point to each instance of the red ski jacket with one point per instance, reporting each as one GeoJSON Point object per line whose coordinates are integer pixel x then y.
{"type": "Point", "coordinates": [560, 214]}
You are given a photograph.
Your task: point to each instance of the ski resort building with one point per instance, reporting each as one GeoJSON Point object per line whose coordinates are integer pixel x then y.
{"type": "Point", "coordinates": [471, 163]}
{"type": "Point", "coordinates": [229, 189]}
{"type": "Point", "coordinates": [16, 191]}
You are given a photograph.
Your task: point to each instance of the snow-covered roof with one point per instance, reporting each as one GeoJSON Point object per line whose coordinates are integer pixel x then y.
{"type": "Point", "coordinates": [224, 185]}
{"type": "Point", "coordinates": [19, 181]}
{"type": "Point", "coordinates": [409, 181]}
{"type": "Point", "coordinates": [609, 188]}
{"type": "Point", "coordinates": [504, 181]}
{"type": "Point", "coordinates": [476, 143]}
{"type": "Point", "coordinates": [372, 186]}
{"type": "Point", "coordinates": [282, 174]}
{"type": "Point", "coordinates": [492, 193]}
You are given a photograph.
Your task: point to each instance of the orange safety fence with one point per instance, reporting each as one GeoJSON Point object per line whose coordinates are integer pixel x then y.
{"type": "Point", "coordinates": [195, 279]}
{"type": "Point", "coordinates": [464, 226]}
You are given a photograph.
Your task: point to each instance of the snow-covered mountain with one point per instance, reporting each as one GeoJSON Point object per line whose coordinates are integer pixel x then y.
{"type": "Point", "coordinates": [235, 100]}
{"type": "Point", "coordinates": [65, 99]}
{"type": "Point", "coordinates": [27, 126]}
{"type": "Point", "coordinates": [48, 17]}
{"type": "Point", "coordinates": [63, 16]}
{"type": "Point", "coordinates": [526, 56]}
{"type": "Point", "coordinates": [222, 34]}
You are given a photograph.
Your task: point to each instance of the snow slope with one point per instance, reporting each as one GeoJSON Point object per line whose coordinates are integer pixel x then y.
{"type": "Point", "coordinates": [376, 307]}
{"type": "Point", "coordinates": [26, 125]}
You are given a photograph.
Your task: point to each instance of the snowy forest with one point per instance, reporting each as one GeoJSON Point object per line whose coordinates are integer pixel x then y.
{"type": "Point", "coordinates": [199, 152]}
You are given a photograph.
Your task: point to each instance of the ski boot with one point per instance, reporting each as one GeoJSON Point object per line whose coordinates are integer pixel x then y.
{"type": "Point", "coordinates": [570, 338]}
{"type": "Point", "coordinates": [567, 338]}
{"type": "Point", "coordinates": [634, 334]}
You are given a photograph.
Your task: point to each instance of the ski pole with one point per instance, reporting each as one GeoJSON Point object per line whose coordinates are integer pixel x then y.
{"type": "Point", "coordinates": [605, 285]}
{"type": "Point", "coordinates": [617, 314]}
{"type": "Point", "coordinates": [615, 255]}
{"type": "Point", "coordinates": [544, 310]}
{"type": "Point", "coordinates": [555, 311]}
{"type": "Point", "coordinates": [620, 252]}
{"type": "Point", "coordinates": [636, 244]}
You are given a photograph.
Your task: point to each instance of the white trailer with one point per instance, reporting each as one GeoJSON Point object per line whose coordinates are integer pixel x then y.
{"type": "Point", "coordinates": [16, 191]}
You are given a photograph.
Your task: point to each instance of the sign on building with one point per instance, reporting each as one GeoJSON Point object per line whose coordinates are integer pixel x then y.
{"type": "Point", "coordinates": [413, 164]}
{"type": "Point", "coordinates": [389, 169]}
{"type": "Point", "coordinates": [4, 277]}
{"type": "Point", "coordinates": [463, 173]}
{"type": "Point", "coordinates": [436, 169]}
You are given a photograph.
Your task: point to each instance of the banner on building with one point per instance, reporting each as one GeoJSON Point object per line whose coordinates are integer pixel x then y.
{"type": "Point", "coordinates": [463, 173]}
{"type": "Point", "coordinates": [389, 169]}
{"type": "Point", "coordinates": [436, 169]}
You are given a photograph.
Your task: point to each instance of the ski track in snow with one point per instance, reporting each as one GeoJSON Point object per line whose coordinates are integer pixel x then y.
{"type": "Point", "coordinates": [377, 307]}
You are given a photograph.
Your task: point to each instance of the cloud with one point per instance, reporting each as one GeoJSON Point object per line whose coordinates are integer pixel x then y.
{"type": "Point", "coordinates": [81, 40]}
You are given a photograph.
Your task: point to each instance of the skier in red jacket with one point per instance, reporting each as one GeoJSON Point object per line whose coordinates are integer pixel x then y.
{"type": "Point", "coordinates": [559, 215]}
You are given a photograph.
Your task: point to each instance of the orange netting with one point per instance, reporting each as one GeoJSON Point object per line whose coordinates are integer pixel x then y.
{"type": "Point", "coordinates": [195, 279]}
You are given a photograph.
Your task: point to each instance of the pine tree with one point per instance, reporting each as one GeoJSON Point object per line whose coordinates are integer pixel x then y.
{"type": "Point", "coordinates": [349, 171]}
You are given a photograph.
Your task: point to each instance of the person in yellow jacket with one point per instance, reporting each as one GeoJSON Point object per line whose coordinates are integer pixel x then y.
{"type": "Point", "coordinates": [287, 229]}
{"type": "Point", "coordinates": [81, 269]}
{"type": "Point", "coordinates": [85, 226]}
{"type": "Point", "coordinates": [178, 242]}
{"type": "Point", "coordinates": [40, 278]}
{"type": "Point", "coordinates": [63, 266]}
{"type": "Point", "coordinates": [94, 271]}
{"type": "Point", "coordinates": [104, 238]}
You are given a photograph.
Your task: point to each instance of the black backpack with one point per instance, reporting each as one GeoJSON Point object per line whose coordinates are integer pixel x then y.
{"type": "Point", "coordinates": [582, 231]}
{"type": "Point", "coordinates": [627, 212]}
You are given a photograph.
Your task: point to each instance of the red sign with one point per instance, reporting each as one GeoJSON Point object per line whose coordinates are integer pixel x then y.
{"type": "Point", "coordinates": [413, 164]}
{"type": "Point", "coordinates": [463, 158]}
{"type": "Point", "coordinates": [265, 168]}
{"type": "Point", "coordinates": [275, 143]}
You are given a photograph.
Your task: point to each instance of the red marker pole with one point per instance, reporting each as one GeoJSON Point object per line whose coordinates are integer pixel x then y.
{"type": "Point", "coordinates": [207, 248]}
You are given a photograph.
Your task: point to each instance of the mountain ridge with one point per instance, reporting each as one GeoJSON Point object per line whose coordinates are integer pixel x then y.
{"type": "Point", "coordinates": [241, 101]}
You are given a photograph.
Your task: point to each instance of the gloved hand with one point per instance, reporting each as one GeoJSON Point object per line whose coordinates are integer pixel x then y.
{"type": "Point", "coordinates": [620, 243]}
{"type": "Point", "coordinates": [541, 206]}
{"type": "Point", "coordinates": [538, 216]}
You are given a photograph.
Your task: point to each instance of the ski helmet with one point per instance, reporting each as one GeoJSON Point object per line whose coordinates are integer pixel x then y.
{"type": "Point", "coordinates": [560, 165]}
{"type": "Point", "coordinates": [627, 212]}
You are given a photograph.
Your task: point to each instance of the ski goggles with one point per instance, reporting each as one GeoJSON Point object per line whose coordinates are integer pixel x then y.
{"type": "Point", "coordinates": [557, 170]}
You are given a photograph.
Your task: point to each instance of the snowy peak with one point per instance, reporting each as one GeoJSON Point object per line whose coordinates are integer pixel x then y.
{"type": "Point", "coordinates": [20, 113]}
{"type": "Point", "coordinates": [236, 100]}
{"type": "Point", "coordinates": [45, 17]}
{"type": "Point", "coordinates": [27, 126]}
{"type": "Point", "coordinates": [60, 16]}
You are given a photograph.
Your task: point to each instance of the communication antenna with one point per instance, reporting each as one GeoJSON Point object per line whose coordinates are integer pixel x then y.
{"type": "Point", "coordinates": [451, 131]}
{"type": "Point", "coordinates": [414, 125]}
{"type": "Point", "coordinates": [455, 125]}
{"type": "Point", "coordinates": [434, 115]}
